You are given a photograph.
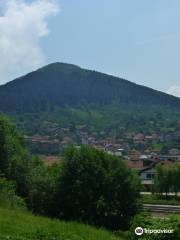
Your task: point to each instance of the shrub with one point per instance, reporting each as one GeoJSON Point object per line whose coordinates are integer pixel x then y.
{"type": "Point", "coordinates": [97, 188]}
{"type": "Point", "coordinates": [42, 184]}
{"type": "Point", "coordinates": [144, 220]}
{"type": "Point", "coordinates": [13, 156]}
{"type": "Point", "coordinates": [8, 197]}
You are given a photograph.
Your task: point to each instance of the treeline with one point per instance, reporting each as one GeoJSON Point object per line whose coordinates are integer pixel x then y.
{"type": "Point", "coordinates": [167, 179]}
{"type": "Point", "coordinates": [88, 185]}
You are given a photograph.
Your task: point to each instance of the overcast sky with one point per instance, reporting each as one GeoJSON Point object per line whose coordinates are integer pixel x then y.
{"type": "Point", "coordinates": [137, 40]}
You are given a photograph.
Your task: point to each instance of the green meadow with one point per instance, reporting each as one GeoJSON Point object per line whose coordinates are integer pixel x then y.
{"type": "Point", "coordinates": [22, 225]}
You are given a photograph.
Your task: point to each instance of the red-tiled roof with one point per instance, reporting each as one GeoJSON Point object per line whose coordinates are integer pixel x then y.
{"type": "Point", "coordinates": [134, 164]}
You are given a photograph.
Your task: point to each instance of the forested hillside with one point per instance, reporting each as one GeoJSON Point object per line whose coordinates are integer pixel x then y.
{"type": "Point", "coordinates": [62, 84]}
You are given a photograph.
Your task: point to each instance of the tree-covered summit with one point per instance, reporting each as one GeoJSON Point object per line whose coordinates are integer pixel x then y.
{"type": "Point", "coordinates": [60, 84]}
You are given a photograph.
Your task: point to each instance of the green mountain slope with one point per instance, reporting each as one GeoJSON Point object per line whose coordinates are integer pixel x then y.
{"type": "Point", "coordinates": [62, 85]}
{"type": "Point", "coordinates": [16, 225]}
{"type": "Point", "coordinates": [62, 95]}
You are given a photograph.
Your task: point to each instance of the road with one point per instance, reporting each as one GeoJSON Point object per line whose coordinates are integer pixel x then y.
{"type": "Point", "coordinates": [169, 194]}
{"type": "Point", "coordinates": [162, 208]}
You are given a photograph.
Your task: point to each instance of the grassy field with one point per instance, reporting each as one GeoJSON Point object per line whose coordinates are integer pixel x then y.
{"type": "Point", "coordinates": [153, 199]}
{"type": "Point", "coordinates": [17, 225]}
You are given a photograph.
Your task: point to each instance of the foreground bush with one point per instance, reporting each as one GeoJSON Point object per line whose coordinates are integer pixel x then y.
{"type": "Point", "coordinates": [42, 187]}
{"type": "Point", "coordinates": [8, 197]}
{"type": "Point", "coordinates": [97, 188]}
{"type": "Point", "coordinates": [146, 221]}
{"type": "Point", "coordinates": [14, 158]}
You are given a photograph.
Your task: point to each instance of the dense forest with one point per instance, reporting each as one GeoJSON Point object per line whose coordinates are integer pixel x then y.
{"type": "Point", "coordinates": [62, 95]}
{"type": "Point", "coordinates": [60, 84]}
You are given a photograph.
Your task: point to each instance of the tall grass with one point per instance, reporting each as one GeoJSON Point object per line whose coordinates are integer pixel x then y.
{"type": "Point", "coordinates": [18, 225]}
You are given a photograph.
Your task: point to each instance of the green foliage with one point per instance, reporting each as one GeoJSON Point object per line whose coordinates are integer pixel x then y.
{"type": "Point", "coordinates": [66, 94]}
{"type": "Point", "coordinates": [42, 184]}
{"type": "Point", "coordinates": [8, 197]}
{"type": "Point", "coordinates": [16, 225]}
{"type": "Point", "coordinates": [63, 84]}
{"type": "Point", "coordinates": [118, 118]}
{"type": "Point", "coordinates": [167, 179]}
{"type": "Point", "coordinates": [146, 221]}
{"type": "Point", "coordinates": [13, 156]}
{"type": "Point", "coordinates": [97, 188]}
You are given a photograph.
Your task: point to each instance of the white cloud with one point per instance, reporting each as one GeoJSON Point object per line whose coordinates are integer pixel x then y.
{"type": "Point", "coordinates": [174, 90]}
{"type": "Point", "coordinates": [22, 25]}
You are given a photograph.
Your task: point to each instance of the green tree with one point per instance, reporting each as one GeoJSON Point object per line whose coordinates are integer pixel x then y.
{"type": "Point", "coordinates": [167, 179]}
{"type": "Point", "coordinates": [14, 158]}
{"type": "Point", "coordinates": [8, 197]}
{"type": "Point", "coordinates": [97, 188]}
{"type": "Point", "coordinates": [42, 182]}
